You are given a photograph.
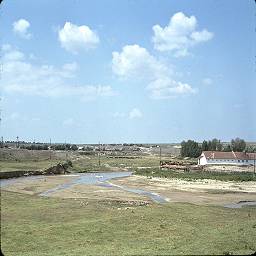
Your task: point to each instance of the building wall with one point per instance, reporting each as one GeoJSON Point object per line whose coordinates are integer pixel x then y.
{"type": "Point", "coordinates": [252, 162]}
{"type": "Point", "coordinates": [202, 160]}
{"type": "Point", "coordinates": [226, 161]}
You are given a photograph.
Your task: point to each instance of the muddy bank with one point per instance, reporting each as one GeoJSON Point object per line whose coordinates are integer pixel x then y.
{"type": "Point", "coordinates": [110, 187]}
{"type": "Point", "coordinates": [56, 169]}
{"type": "Point", "coordinates": [201, 192]}
{"type": "Point", "coordinates": [88, 186]}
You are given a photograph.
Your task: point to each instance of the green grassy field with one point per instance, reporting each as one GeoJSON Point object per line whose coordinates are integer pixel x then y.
{"type": "Point", "coordinates": [82, 163]}
{"type": "Point", "coordinates": [32, 225]}
{"type": "Point", "coordinates": [224, 176]}
{"type": "Point", "coordinates": [121, 161]}
{"type": "Point", "coordinates": [28, 165]}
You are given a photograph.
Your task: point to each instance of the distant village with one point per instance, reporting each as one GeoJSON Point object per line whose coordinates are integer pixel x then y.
{"type": "Point", "coordinates": [211, 152]}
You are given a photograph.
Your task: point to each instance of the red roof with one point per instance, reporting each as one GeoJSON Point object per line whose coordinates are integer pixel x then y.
{"type": "Point", "coordinates": [252, 155]}
{"type": "Point", "coordinates": [228, 155]}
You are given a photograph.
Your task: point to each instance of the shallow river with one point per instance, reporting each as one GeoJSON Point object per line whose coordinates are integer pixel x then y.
{"type": "Point", "coordinates": [104, 179]}
{"type": "Point", "coordinates": [99, 179]}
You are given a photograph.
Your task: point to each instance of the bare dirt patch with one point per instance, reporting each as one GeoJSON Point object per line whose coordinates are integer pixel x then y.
{"type": "Point", "coordinates": [94, 192]}
{"type": "Point", "coordinates": [229, 168]}
{"type": "Point", "coordinates": [197, 192]}
{"type": "Point", "coordinates": [38, 185]}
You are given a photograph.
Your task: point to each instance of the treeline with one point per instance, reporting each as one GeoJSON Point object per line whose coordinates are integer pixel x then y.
{"type": "Point", "coordinates": [192, 148]}
{"type": "Point", "coordinates": [34, 147]}
{"type": "Point", "coordinates": [54, 147]}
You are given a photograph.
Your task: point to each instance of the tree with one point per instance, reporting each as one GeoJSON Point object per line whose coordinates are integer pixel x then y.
{"type": "Point", "coordinates": [214, 144]}
{"type": "Point", "coordinates": [190, 149]}
{"type": "Point", "coordinates": [238, 145]}
{"type": "Point", "coordinates": [204, 146]}
{"type": "Point", "coordinates": [227, 148]}
{"type": "Point", "coordinates": [74, 147]}
{"type": "Point", "coordinates": [250, 149]}
{"type": "Point", "coordinates": [209, 145]}
{"type": "Point", "coordinates": [67, 147]}
{"type": "Point", "coordinates": [219, 146]}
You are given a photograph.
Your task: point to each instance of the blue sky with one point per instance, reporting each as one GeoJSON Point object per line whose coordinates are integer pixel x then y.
{"type": "Point", "coordinates": [127, 71]}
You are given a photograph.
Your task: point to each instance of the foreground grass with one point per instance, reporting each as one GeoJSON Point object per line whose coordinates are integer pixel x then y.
{"type": "Point", "coordinates": [230, 176]}
{"type": "Point", "coordinates": [32, 225]}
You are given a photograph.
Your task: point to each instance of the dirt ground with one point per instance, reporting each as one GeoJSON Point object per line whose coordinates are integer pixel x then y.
{"type": "Point", "coordinates": [196, 192]}
{"type": "Point", "coordinates": [36, 185]}
{"type": "Point", "coordinates": [90, 192]}
{"type": "Point", "coordinates": [229, 168]}
{"type": "Point", "coordinates": [174, 190]}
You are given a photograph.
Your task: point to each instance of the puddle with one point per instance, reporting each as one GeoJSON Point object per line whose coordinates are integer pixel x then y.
{"type": "Point", "coordinates": [240, 204]}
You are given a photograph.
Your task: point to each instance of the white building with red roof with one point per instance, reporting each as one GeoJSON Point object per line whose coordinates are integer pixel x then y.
{"type": "Point", "coordinates": [231, 158]}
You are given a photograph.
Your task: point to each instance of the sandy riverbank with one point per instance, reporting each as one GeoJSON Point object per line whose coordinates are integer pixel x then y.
{"type": "Point", "coordinates": [174, 190]}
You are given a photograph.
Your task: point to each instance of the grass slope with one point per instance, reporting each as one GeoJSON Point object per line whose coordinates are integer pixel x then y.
{"type": "Point", "coordinates": [32, 225]}
{"type": "Point", "coordinates": [28, 165]}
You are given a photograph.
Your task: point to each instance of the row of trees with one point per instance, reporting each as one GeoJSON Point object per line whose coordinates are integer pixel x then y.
{"type": "Point", "coordinates": [191, 148]}
{"type": "Point", "coordinates": [237, 145]}
{"type": "Point", "coordinates": [65, 147]}
{"type": "Point", "coordinates": [46, 147]}
{"type": "Point", "coordinates": [35, 147]}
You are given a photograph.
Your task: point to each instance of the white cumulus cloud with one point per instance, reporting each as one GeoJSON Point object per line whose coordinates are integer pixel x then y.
{"type": "Point", "coordinates": [135, 113]}
{"type": "Point", "coordinates": [165, 88]}
{"type": "Point", "coordinates": [19, 75]}
{"type": "Point", "coordinates": [135, 62]}
{"type": "Point", "coordinates": [20, 27]}
{"type": "Point", "coordinates": [179, 35]}
{"type": "Point", "coordinates": [74, 38]}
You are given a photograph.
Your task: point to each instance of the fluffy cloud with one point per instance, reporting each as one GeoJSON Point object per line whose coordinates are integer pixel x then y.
{"type": "Point", "coordinates": [74, 38]}
{"type": "Point", "coordinates": [20, 76]}
{"type": "Point", "coordinates": [135, 113]}
{"type": "Point", "coordinates": [179, 35]}
{"type": "Point", "coordinates": [21, 27]}
{"type": "Point", "coordinates": [136, 62]}
{"type": "Point", "coordinates": [165, 88]}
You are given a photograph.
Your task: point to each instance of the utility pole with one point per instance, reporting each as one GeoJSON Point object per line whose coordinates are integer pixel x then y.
{"type": "Point", "coordinates": [99, 154]}
{"type": "Point", "coordinates": [254, 165]}
{"type": "Point", "coordinates": [17, 142]}
{"type": "Point", "coordinates": [50, 148]}
{"type": "Point", "coordinates": [160, 156]}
